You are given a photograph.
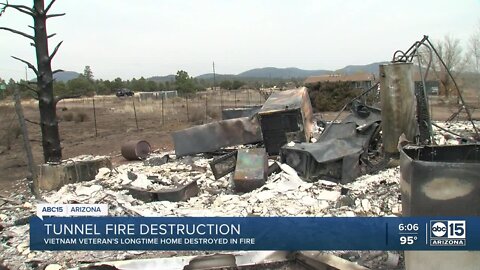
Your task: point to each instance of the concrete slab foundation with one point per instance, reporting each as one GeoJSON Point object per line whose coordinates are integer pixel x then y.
{"type": "Point", "coordinates": [54, 176]}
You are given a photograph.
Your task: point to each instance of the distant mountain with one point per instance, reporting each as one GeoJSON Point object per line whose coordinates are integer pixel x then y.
{"type": "Point", "coordinates": [168, 78]}
{"type": "Point", "coordinates": [265, 73]}
{"type": "Point", "coordinates": [370, 68]}
{"type": "Point", "coordinates": [281, 73]}
{"type": "Point", "coordinates": [65, 76]}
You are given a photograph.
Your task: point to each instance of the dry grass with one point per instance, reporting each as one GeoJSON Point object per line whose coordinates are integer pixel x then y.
{"type": "Point", "coordinates": [75, 115]}
{"type": "Point", "coordinates": [196, 115]}
{"type": "Point", "coordinates": [11, 135]}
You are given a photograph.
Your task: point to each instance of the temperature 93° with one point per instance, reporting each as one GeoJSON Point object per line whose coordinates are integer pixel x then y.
{"type": "Point", "coordinates": [409, 227]}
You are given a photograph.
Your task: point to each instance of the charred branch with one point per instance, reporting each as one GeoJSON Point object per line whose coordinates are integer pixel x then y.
{"type": "Point", "coordinates": [49, 6]}
{"type": "Point", "coordinates": [31, 122]}
{"type": "Point", "coordinates": [28, 87]}
{"type": "Point", "coordinates": [52, 35]}
{"type": "Point", "coordinates": [32, 67]}
{"type": "Point", "coordinates": [21, 8]}
{"type": "Point", "coordinates": [57, 71]}
{"type": "Point", "coordinates": [55, 50]}
{"type": "Point", "coordinates": [55, 15]}
{"type": "Point", "coordinates": [58, 98]}
{"type": "Point", "coordinates": [17, 32]}
{"type": "Point", "coordinates": [31, 89]}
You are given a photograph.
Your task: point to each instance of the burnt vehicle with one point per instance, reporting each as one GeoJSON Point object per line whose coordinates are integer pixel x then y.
{"type": "Point", "coordinates": [124, 92]}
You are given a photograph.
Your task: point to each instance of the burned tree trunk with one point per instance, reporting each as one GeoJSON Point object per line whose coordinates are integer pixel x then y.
{"type": "Point", "coordinates": [47, 102]}
{"type": "Point", "coordinates": [52, 151]}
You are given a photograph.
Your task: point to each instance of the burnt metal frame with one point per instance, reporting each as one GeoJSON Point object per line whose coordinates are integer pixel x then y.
{"type": "Point", "coordinates": [408, 57]}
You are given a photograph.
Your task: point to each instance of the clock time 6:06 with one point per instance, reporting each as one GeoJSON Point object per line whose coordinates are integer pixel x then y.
{"type": "Point", "coordinates": [408, 227]}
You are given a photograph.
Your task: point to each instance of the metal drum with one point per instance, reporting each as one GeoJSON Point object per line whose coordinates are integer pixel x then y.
{"type": "Point", "coordinates": [136, 149]}
{"type": "Point", "coordinates": [440, 181]}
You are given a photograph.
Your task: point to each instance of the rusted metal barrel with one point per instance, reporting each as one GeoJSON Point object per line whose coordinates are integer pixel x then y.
{"type": "Point", "coordinates": [136, 149]}
{"type": "Point", "coordinates": [398, 104]}
{"type": "Point", "coordinates": [440, 181]}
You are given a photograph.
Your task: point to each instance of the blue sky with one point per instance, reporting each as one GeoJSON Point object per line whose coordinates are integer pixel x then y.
{"type": "Point", "coordinates": [120, 38]}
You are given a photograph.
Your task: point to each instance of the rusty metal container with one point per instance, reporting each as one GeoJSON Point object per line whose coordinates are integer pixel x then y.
{"type": "Point", "coordinates": [286, 116]}
{"type": "Point", "coordinates": [136, 150]}
{"type": "Point", "coordinates": [251, 169]}
{"type": "Point", "coordinates": [440, 181]}
{"type": "Point", "coordinates": [398, 104]}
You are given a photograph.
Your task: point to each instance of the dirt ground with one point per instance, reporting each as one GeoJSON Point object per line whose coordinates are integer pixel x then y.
{"type": "Point", "coordinates": [115, 122]}
{"type": "Point", "coordinates": [115, 125]}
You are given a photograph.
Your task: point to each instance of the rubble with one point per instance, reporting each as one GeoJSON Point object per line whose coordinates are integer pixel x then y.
{"type": "Point", "coordinates": [284, 194]}
{"type": "Point", "coordinates": [81, 168]}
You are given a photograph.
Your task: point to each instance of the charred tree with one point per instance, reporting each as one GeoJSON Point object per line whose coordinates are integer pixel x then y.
{"type": "Point", "coordinates": [52, 151]}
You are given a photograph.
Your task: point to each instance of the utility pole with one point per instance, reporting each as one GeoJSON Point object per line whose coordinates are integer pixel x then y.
{"type": "Point", "coordinates": [214, 84]}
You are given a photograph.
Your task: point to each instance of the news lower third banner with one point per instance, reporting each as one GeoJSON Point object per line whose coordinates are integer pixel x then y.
{"type": "Point", "coordinates": [254, 233]}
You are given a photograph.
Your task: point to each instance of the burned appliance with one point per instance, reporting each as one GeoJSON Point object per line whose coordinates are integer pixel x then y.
{"type": "Point", "coordinates": [286, 116]}
{"type": "Point", "coordinates": [339, 152]}
{"type": "Point", "coordinates": [223, 165]}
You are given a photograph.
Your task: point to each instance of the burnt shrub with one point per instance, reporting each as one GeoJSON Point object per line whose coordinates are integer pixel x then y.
{"type": "Point", "coordinates": [67, 116]}
{"type": "Point", "coordinates": [80, 117]}
{"type": "Point", "coordinates": [331, 96]}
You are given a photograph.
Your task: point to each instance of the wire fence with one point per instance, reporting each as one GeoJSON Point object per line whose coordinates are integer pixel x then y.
{"type": "Point", "coordinates": [104, 115]}
{"type": "Point", "coordinates": [119, 114]}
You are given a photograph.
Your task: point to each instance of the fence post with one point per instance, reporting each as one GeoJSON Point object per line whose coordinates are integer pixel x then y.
{"type": "Point", "coordinates": [135, 112]}
{"type": "Point", "coordinates": [186, 102]}
{"type": "Point", "coordinates": [163, 115]}
{"type": "Point", "coordinates": [235, 97]}
{"type": "Point", "coordinates": [94, 115]}
{"type": "Point", "coordinates": [33, 179]}
{"type": "Point", "coordinates": [206, 106]}
{"type": "Point", "coordinates": [221, 98]}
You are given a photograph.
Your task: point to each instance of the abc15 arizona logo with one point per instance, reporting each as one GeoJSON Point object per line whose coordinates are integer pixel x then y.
{"type": "Point", "coordinates": [448, 233]}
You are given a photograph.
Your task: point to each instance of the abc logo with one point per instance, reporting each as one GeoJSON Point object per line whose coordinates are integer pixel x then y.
{"type": "Point", "coordinates": [439, 229]}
